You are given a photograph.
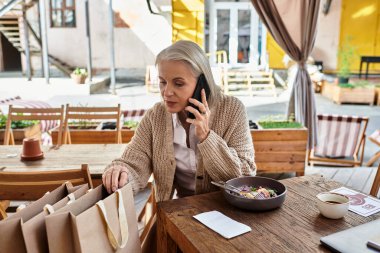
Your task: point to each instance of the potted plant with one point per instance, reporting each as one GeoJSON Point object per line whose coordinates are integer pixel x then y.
{"type": "Point", "coordinates": [345, 56]}
{"type": "Point", "coordinates": [79, 75]}
{"type": "Point", "coordinates": [20, 129]}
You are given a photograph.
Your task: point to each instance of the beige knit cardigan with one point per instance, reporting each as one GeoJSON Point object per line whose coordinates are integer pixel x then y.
{"type": "Point", "coordinates": [226, 153]}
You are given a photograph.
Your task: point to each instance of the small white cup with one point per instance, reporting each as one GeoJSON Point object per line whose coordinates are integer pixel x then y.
{"type": "Point", "coordinates": [332, 205]}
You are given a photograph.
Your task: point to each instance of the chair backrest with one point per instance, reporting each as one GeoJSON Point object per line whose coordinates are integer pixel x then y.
{"type": "Point", "coordinates": [340, 136]}
{"type": "Point", "coordinates": [88, 114]}
{"type": "Point", "coordinates": [46, 116]}
{"type": "Point", "coordinates": [33, 185]}
{"type": "Point", "coordinates": [135, 115]}
{"type": "Point", "coordinates": [376, 184]}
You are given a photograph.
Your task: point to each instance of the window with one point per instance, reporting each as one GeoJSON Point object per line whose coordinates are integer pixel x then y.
{"type": "Point", "coordinates": [62, 13]}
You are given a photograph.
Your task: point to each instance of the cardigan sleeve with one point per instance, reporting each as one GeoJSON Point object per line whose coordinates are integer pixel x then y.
{"type": "Point", "coordinates": [137, 157]}
{"type": "Point", "coordinates": [233, 155]}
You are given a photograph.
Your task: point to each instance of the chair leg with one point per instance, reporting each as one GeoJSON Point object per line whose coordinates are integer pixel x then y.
{"type": "Point", "coordinates": [373, 159]}
{"type": "Point", "coordinates": [376, 184]}
{"type": "Point", "coordinates": [141, 215]}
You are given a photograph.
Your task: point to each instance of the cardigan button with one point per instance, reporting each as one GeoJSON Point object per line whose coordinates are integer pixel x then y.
{"type": "Point", "coordinates": [200, 177]}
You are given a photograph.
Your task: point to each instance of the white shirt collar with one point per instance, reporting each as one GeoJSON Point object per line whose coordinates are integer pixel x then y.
{"type": "Point", "coordinates": [176, 121]}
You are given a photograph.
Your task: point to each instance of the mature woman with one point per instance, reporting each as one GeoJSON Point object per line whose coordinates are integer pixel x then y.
{"type": "Point", "coordinates": [185, 154]}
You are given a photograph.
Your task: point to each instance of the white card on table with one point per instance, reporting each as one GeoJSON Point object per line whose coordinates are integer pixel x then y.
{"type": "Point", "coordinates": [223, 225]}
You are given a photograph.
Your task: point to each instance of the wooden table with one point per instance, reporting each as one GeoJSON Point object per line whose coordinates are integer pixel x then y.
{"type": "Point", "coordinates": [295, 227]}
{"type": "Point", "coordinates": [98, 156]}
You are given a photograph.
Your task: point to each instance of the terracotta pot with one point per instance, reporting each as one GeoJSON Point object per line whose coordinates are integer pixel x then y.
{"type": "Point", "coordinates": [79, 79]}
{"type": "Point", "coordinates": [31, 149]}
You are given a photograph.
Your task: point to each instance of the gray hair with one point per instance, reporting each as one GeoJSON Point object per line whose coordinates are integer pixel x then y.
{"type": "Point", "coordinates": [190, 53]}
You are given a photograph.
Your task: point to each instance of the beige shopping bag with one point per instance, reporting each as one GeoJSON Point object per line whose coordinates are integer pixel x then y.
{"type": "Point", "coordinates": [34, 231]}
{"type": "Point", "coordinates": [96, 223]}
{"type": "Point", "coordinates": [11, 237]}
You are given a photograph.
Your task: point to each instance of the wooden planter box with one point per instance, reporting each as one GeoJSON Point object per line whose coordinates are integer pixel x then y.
{"type": "Point", "coordinates": [341, 95]}
{"type": "Point", "coordinates": [92, 136]}
{"type": "Point", "coordinates": [20, 134]}
{"type": "Point", "coordinates": [280, 150]}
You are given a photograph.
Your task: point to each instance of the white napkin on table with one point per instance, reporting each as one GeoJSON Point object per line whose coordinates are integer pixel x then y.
{"type": "Point", "coordinates": [223, 225]}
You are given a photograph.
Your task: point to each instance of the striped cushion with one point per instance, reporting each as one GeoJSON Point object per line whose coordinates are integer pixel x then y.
{"type": "Point", "coordinates": [45, 125]}
{"type": "Point", "coordinates": [135, 115]}
{"type": "Point", "coordinates": [337, 135]}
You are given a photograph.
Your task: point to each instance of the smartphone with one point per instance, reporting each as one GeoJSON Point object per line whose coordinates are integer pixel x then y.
{"type": "Point", "coordinates": [201, 84]}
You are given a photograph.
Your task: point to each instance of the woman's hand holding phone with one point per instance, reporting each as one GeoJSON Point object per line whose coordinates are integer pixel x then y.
{"type": "Point", "coordinates": [201, 116]}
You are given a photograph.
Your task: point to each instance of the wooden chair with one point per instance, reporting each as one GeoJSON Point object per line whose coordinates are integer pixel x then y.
{"type": "Point", "coordinates": [375, 138]}
{"type": "Point", "coordinates": [86, 114]}
{"type": "Point", "coordinates": [149, 214]}
{"type": "Point", "coordinates": [28, 186]}
{"type": "Point", "coordinates": [42, 114]}
{"type": "Point", "coordinates": [376, 184]}
{"type": "Point", "coordinates": [341, 140]}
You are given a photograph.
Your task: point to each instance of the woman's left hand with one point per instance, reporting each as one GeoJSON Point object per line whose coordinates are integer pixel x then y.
{"type": "Point", "coordinates": [201, 117]}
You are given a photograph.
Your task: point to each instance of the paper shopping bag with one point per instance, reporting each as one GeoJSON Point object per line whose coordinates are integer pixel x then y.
{"type": "Point", "coordinates": [34, 230]}
{"type": "Point", "coordinates": [96, 222]}
{"type": "Point", "coordinates": [11, 237]}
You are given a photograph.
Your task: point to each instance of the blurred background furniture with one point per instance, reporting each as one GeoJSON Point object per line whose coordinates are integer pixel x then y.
{"type": "Point", "coordinates": [33, 185]}
{"type": "Point", "coordinates": [375, 138]}
{"type": "Point", "coordinates": [48, 118]}
{"type": "Point", "coordinates": [250, 82]}
{"type": "Point", "coordinates": [340, 140]}
{"type": "Point", "coordinates": [367, 60]}
{"type": "Point", "coordinates": [88, 115]}
{"type": "Point", "coordinates": [152, 82]}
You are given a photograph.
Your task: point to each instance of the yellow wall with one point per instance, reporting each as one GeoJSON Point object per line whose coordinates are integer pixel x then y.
{"type": "Point", "coordinates": [188, 20]}
{"type": "Point", "coordinates": [360, 21]}
{"type": "Point", "coordinates": [275, 53]}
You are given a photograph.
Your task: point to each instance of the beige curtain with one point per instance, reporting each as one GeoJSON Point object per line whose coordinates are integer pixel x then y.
{"type": "Point", "coordinates": [292, 23]}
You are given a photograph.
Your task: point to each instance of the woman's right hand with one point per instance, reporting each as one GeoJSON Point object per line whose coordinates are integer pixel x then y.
{"type": "Point", "coordinates": [114, 177]}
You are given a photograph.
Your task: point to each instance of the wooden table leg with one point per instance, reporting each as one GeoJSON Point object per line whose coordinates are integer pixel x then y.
{"type": "Point", "coordinates": [165, 243]}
